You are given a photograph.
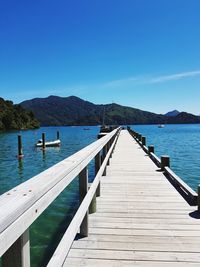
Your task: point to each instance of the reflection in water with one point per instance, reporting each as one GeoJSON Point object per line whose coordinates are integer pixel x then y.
{"type": "Point", "coordinates": [43, 155]}
{"type": "Point", "coordinates": [20, 169]}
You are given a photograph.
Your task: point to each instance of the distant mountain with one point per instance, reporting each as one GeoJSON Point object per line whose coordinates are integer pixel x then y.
{"type": "Point", "coordinates": [172, 113]}
{"type": "Point", "coordinates": [15, 117]}
{"type": "Point", "coordinates": [55, 110]}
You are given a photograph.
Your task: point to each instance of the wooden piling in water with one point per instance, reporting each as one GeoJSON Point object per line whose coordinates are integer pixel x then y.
{"type": "Point", "coordinates": [58, 135]}
{"type": "Point", "coordinates": [43, 141]}
{"type": "Point", "coordinates": [20, 150]}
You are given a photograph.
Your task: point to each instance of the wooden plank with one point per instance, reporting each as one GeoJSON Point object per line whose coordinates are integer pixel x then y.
{"type": "Point", "coordinates": [141, 220]}
{"type": "Point", "coordinates": [135, 255]}
{"type": "Point", "coordinates": [74, 262]}
{"type": "Point", "coordinates": [142, 239]}
{"type": "Point", "coordinates": [63, 248]}
{"type": "Point", "coordinates": [161, 246]}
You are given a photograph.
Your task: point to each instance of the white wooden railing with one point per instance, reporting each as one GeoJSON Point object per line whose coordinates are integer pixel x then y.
{"type": "Point", "coordinates": [187, 192]}
{"type": "Point", "coordinates": [22, 205]}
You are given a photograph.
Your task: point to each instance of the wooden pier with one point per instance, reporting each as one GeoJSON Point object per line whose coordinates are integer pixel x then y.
{"type": "Point", "coordinates": [142, 217]}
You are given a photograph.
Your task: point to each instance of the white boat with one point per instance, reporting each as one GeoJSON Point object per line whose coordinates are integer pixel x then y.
{"type": "Point", "coordinates": [55, 143]}
{"type": "Point", "coordinates": [161, 126]}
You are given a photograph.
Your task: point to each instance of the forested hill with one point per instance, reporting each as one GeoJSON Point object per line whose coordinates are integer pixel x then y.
{"type": "Point", "coordinates": [15, 117]}
{"type": "Point", "coordinates": [55, 110]}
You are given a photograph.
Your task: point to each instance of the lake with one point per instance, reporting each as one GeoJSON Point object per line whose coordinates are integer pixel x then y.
{"type": "Point", "coordinates": [180, 142]}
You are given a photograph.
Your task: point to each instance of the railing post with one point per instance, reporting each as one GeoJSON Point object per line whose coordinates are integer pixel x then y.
{"type": "Point", "coordinates": [165, 162]}
{"type": "Point", "coordinates": [151, 149]}
{"type": "Point", "coordinates": [93, 205]}
{"type": "Point", "coordinates": [143, 140]}
{"type": "Point", "coordinates": [83, 188]}
{"type": "Point", "coordinates": [97, 167]}
{"type": "Point", "coordinates": [18, 255]}
{"type": "Point", "coordinates": [105, 150]}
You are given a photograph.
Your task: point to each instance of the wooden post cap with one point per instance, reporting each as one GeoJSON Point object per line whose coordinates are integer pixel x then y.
{"type": "Point", "coordinates": [151, 149]}
{"type": "Point", "coordinates": [165, 161]}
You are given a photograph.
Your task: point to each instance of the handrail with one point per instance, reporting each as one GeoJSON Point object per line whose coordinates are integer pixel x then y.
{"type": "Point", "coordinates": [22, 205]}
{"type": "Point", "coordinates": [64, 246]}
{"type": "Point", "coordinates": [191, 194]}
{"type": "Point", "coordinates": [188, 193]}
{"type": "Point", "coordinates": [155, 159]}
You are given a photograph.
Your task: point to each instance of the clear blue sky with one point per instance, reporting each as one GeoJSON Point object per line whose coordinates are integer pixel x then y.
{"type": "Point", "coordinates": [140, 53]}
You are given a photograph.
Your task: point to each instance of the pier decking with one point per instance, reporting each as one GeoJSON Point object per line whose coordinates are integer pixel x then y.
{"type": "Point", "coordinates": [141, 219]}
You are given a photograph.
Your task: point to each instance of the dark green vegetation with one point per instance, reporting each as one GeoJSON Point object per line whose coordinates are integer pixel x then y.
{"type": "Point", "coordinates": [72, 110]}
{"type": "Point", "coordinates": [15, 117]}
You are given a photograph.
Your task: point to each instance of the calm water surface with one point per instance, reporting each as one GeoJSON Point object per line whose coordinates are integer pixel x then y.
{"type": "Point", "coordinates": [180, 142]}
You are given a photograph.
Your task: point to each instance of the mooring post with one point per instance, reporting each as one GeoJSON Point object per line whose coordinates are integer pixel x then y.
{"type": "Point", "coordinates": [143, 140]}
{"type": "Point", "coordinates": [139, 137]}
{"type": "Point", "coordinates": [198, 198]}
{"type": "Point", "coordinates": [58, 135]}
{"type": "Point", "coordinates": [83, 188]}
{"type": "Point", "coordinates": [20, 151]}
{"type": "Point", "coordinates": [43, 141]}
{"type": "Point", "coordinates": [165, 162]}
{"type": "Point", "coordinates": [151, 149]}
{"type": "Point", "coordinates": [97, 167]}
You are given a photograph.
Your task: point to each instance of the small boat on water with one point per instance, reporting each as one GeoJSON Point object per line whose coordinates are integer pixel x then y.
{"type": "Point", "coordinates": [161, 126]}
{"type": "Point", "coordinates": [55, 143]}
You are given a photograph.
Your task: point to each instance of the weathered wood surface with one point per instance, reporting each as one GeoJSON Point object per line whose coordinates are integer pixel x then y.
{"type": "Point", "coordinates": [141, 219]}
{"type": "Point", "coordinates": [22, 205]}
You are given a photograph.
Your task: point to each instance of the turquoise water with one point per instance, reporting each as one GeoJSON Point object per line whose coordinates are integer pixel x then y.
{"type": "Point", "coordinates": [47, 230]}
{"type": "Point", "coordinates": [180, 142]}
